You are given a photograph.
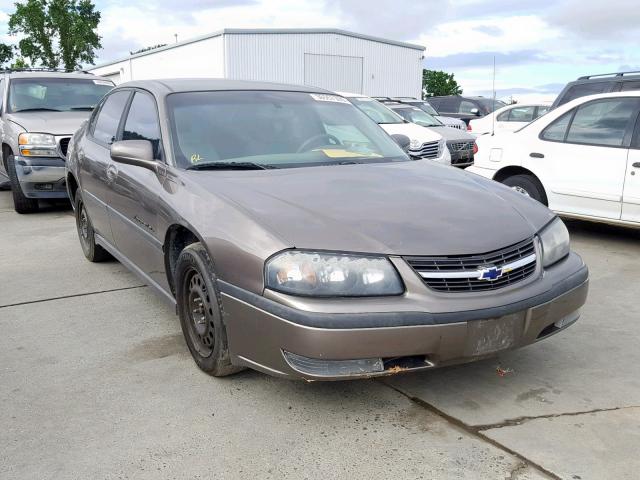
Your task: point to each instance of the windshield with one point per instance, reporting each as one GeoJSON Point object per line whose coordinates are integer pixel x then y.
{"type": "Point", "coordinates": [56, 94]}
{"type": "Point", "coordinates": [273, 129]}
{"type": "Point", "coordinates": [425, 107]}
{"type": "Point", "coordinates": [419, 117]}
{"type": "Point", "coordinates": [490, 104]}
{"type": "Point", "coordinates": [376, 111]}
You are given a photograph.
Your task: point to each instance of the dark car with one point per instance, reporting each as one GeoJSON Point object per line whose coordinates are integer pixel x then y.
{"type": "Point", "coordinates": [294, 236]}
{"type": "Point", "coordinates": [594, 84]}
{"type": "Point", "coordinates": [461, 145]}
{"type": "Point", "coordinates": [465, 108]}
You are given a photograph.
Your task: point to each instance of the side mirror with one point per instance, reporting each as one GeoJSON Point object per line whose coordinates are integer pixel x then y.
{"type": "Point", "coordinates": [402, 140]}
{"type": "Point", "coordinates": [138, 153]}
{"type": "Point", "coordinates": [474, 111]}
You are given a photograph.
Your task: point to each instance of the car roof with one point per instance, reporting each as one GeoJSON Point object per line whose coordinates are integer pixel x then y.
{"type": "Point", "coordinates": [173, 85]}
{"type": "Point", "coordinates": [353, 95]}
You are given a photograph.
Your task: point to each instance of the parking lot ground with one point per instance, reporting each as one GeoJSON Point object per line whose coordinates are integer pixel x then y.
{"type": "Point", "coordinates": [96, 382]}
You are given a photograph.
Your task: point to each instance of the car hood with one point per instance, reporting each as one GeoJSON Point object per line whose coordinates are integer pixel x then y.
{"type": "Point", "coordinates": [56, 123]}
{"type": "Point", "coordinates": [407, 208]}
{"type": "Point", "coordinates": [453, 134]}
{"type": "Point", "coordinates": [413, 131]}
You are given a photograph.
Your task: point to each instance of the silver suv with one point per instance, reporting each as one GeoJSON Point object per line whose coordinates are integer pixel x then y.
{"type": "Point", "coordinates": [39, 112]}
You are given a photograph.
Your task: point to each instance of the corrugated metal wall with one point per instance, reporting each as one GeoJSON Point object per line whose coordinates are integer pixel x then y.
{"type": "Point", "coordinates": [201, 59]}
{"type": "Point", "coordinates": [327, 60]}
{"type": "Point", "coordinates": [387, 70]}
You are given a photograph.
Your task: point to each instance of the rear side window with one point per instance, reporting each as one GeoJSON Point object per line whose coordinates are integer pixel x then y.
{"type": "Point", "coordinates": [541, 111]}
{"type": "Point", "coordinates": [445, 104]}
{"type": "Point", "coordinates": [142, 122]}
{"type": "Point", "coordinates": [603, 122]}
{"type": "Point", "coordinates": [108, 119]}
{"type": "Point", "coordinates": [558, 129]}
{"type": "Point", "coordinates": [466, 107]}
{"type": "Point", "coordinates": [517, 114]}
{"type": "Point", "coordinates": [584, 89]}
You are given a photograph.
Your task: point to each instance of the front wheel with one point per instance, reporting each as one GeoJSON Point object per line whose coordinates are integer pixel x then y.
{"type": "Point", "coordinates": [527, 185]}
{"type": "Point", "coordinates": [21, 203]}
{"type": "Point", "coordinates": [200, 311]}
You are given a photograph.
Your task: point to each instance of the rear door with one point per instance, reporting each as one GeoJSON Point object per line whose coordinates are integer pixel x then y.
{"type": "Point", "coordinates": [136, 193]}
{"type": "Point", "coordinates": [631, 194]}
{"type": "Point", "coordinates": [582, 157]}
{"type": "Point", "coordinates": [95, 164]}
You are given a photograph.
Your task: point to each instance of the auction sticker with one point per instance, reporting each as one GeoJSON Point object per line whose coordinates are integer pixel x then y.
{"type": "Point", "coordinates": [323, 97]}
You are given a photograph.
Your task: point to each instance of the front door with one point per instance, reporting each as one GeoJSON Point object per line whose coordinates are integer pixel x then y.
{"type": "Point", "coordinates": [95, 164]}
{"type": "Point", "coordinates": [136, 194]}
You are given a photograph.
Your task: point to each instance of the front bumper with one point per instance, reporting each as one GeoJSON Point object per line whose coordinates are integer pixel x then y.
{"type": "Point", "coordinates": [41, 177]}
{"type": "Point", "coordinates": [287, 342]}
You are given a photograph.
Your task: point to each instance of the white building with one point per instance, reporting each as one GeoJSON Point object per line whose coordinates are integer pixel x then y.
{"type": "Point", "coordinates": [327, 58]}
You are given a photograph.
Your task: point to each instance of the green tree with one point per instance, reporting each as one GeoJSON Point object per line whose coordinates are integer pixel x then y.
{"type": "Point", "coordinates": [6, 53]}
{"type": "Point", "coordinates": [436, 82]}
{"type": "Point", "coordinates": [57, 32]}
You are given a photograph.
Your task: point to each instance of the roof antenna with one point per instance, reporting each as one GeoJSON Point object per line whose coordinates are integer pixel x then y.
{"type": "Point", "coordinates": [176, 35]}
{"type": "Point", "coordinates": [493, 105]}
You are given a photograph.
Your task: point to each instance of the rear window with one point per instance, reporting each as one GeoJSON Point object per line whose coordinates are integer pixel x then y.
{"type": "Point", "coordinates": [584, 89]}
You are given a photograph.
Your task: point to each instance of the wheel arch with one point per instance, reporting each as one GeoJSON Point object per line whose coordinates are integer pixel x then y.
{"type": "Point", "coordinates": [6, 151]}
{"type": "Point", "coordinates": [176, 238]}
{"type": "Point", "coordinates": [511, 170]}
{"type": "Point", "coordinates": [72, 188]}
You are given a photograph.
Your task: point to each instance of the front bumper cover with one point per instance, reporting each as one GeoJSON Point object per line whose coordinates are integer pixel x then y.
{"type": "Point", "coordinates": [41, 177]}
{"type": "Point", "coordinates": [283, 341]}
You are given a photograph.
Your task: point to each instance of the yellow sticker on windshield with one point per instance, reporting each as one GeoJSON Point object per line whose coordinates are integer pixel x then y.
{"type": "Point", "coordinates": [195, 158]}
{"type": "Point", "coordinates": [342, 153]}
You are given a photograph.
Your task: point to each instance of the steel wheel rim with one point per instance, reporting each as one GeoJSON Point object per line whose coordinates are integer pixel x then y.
{"type": "Point", "coordinates": [199, 312]}
{"type": "Point", "coordinates": [83, 225]}
{"type": "Point", "coordinates": [521, 190]}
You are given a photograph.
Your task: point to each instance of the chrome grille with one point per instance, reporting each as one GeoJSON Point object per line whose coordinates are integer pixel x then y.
{"type": "Point", "coordinates": [471, 273]}
{"type": "Point", "coordinates": [459, 146]}
{"type": "Point", "coordinates": [63, 144]}
{"type": "Point", "coordinates": [427, 150]}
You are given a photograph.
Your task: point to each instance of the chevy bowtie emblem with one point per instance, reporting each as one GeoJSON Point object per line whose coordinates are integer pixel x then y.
{"type": "Point", "coordinates": [490, 273]}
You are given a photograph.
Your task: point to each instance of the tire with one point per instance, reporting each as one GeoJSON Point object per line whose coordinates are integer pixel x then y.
{"type": "Point", "coordinates": [200, 312]}
{"type": "Point", "coordinates": [21, 203]}
{"type": "Point", "coordinates": [92, 251]}
{"type": "Point", "coordinates": [527, 185]}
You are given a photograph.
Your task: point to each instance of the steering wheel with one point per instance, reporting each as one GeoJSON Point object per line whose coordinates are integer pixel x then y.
{"type": "Point", "coordinates": [330, 140]}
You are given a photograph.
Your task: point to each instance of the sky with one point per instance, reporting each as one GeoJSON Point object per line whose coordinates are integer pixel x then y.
{"type": "Point", "coordinates": [538, 45]}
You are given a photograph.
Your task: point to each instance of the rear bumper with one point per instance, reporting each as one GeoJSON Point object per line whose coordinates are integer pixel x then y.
{"type": "Point", "coordinates": [291, 343]}
{"type": "Point", "coordinates": [41, 177]}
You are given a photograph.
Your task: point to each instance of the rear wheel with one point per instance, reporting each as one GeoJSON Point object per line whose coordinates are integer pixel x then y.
{"type": "Point", "coordinates": [200, 311]}
{"type": "Point", "coordinates": [86, 234]}
{"type": "Point", "coordinates": [527, 185]}
{"type": "Point", "coordinates": [21, 203]}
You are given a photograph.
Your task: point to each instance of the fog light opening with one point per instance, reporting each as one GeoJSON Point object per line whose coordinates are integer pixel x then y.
{"type": "Point", "coordinates": [398, 364]}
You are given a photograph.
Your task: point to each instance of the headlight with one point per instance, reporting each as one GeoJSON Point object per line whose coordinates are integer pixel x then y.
{"type": "Point", "coordinates": [332, 275]}
{"type": "Point", "coordinates": [555, 242]}
{"type": "Point", "coordinates": [37, 145]}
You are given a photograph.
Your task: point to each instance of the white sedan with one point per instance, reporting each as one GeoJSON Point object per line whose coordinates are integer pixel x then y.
{"type": "Point", "coordinates": [509, 118]}
{"type": "Point", "coordinates": [581, 159]}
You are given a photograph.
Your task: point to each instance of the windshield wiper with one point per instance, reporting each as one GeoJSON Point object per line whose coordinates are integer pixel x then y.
{"type": "Point", "coordinates": [230, 166]}
{"type": "Point", "coordinates": [37, 109]}
{"type": "Point", "coordinates": [88, 107]}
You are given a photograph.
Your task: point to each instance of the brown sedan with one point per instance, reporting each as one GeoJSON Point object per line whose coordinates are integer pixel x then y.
{"type": "Point", "coordinates": [295, 237]}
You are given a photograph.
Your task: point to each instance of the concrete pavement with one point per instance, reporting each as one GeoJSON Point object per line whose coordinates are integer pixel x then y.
{"type": "Point", "coordinates": [96, 382]}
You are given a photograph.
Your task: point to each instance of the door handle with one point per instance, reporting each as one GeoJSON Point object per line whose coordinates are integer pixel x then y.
{"type": "Point", "coordinates": [536, 155]}
{"type": "Point", "coordinates": [636, 165]}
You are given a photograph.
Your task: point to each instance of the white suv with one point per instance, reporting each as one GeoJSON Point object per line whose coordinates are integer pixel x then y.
{"type": "Point", "coordinates": [581, 159]}
{"type": "Point", "coordinates": [425, 143]}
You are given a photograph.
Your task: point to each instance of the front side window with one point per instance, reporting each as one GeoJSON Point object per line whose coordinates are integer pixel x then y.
{"type": "Point", "coordinates": [108, 119]}
{"type": "Point", "coordinates": [603, 122]}
{"type": "Point", "coordinates": [273, 129]}
{"type": "Point", "coordinates": [142, 122]}
{"type": "Point", "coordinates": [419, 117]}
{"type": "Point", "coordinates": [425, 107]}
{"type": "Point", "coordinates": [541, 111]}
{"type": "Point", "coordinates": [467, 107]}
{"type": "Point", "coordinates": [56, 94]}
